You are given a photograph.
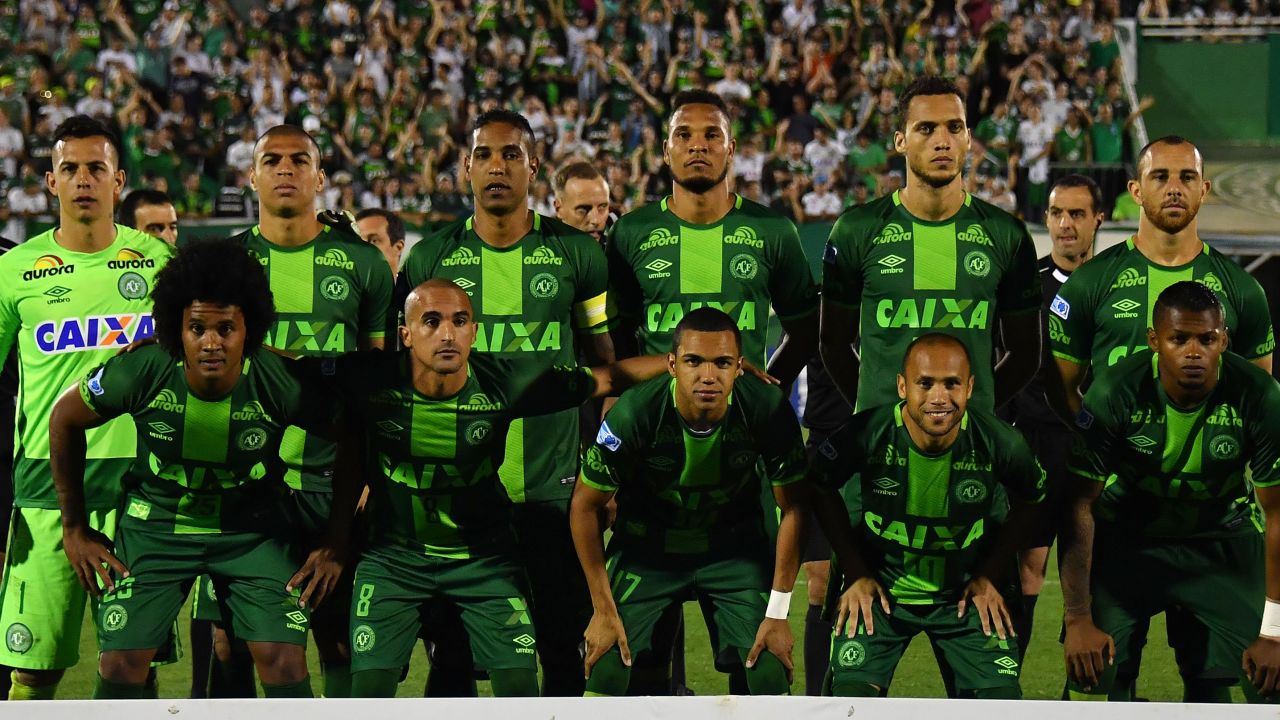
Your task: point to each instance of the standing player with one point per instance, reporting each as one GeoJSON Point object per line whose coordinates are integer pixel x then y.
{"type": "Point", "coordinates": [938, 478]}
{"type": "Point", "coordinates": [582, 198]}
{"type": "Point", "coordinates": [1073, 218]}
{"type": "Point", "coordinates": [539, 288]}
{"type": "Point", "coordinates": [682, 452]}
{"type": "Point", "coordinates": [1174, 449]}
{"type": "Point", "coordinates": [210, 406]}
{"type": "Point", "coordinates": [70, 298]}
{"type": "Point", "coordinates": [705, 246]}
{"type": "Point", "coordinates": [332, 296]}
{"type": "Point", "coordinates": [152, 212]}
{"type": "Point", "coordinates": [1101, 315]}
{"type": "Point", "coordinates": [384, 230]}
{"type": "Point", "coordinates": [436, 419]}
{"type": "Point", "coordinates": [929, 257]}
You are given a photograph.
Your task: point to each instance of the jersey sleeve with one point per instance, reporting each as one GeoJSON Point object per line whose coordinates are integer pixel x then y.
{"type": "Point", "coordinates": [307, 393]}
{"type": "Point", "coordinates": [9, 320]}
{"type": "Point", "coordinates": [1099, 426]}
{"type": "Point", "coordinates": [125, 383]}
{"type": "Point", "coordinates": [625, 295]}
{"type": "Point", "coordinates": [791, 286]}
{"type": "Point", "coordinates": [591, 311]}
{"type": "Point", "coordinates": [1021, 474]}
{"type": "Point", "coordinates": [1071, 323]}
{"type": "Point", "coordinates": [1019, 289]}
{"type": "Point", "coordinates": [375, 304]}
{"type": "Point", "coordinates": [842, 263]}
{"type": "Point", "coordinates": [536, 389]}
{"type": "Point", "coordinates": [1265, 432]}
{"type": "Point", "coordinates": [842, 454]}
{"type": "Point", "coordinates": [609, 462]}
{"type": "Point", "coordinates": [781, 445]}
{"type": "Point", "coordinates": [1253, 336]}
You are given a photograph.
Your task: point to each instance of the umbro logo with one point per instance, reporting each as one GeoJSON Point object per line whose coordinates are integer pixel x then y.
{"type": "Point", "coordinates": [658, 268]}
{"type": "Point", "coordinates": [389, 426]}
{"type": "Point", "coordinates": [1125, 308]}
{"type": "Point", "coordinates": [464, 283]}
{"type": "Point", "coordinates": [1142, 442]}
{"type": "Point", "coordinates": [891, 265]}
{"type": "Point", "coordinates": [886, 486]}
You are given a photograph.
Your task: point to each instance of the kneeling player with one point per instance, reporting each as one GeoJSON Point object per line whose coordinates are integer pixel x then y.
{"type": "Point", "coordinates": [1181, 432]}
{"type": "Point", "coordinates": [210, 406]}
{"type": "Point", "coordinates": [681, 454]}
{"type": "Point", "coordinates": [948, 493]}
{"type": "Point", "coordinates": [436, 420]}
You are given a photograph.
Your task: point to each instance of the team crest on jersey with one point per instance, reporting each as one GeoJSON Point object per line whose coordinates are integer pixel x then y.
{"type": "Point", "coordinates": [606, 438]}
{"type": "Point", "coordinates": [543, 256]}
{"type": "Point", "coordinates": [478, 431]}
{"type": "Point", "coordinates": [743, 267]}
{"type": "Point", "coordinates": [971, 491]}
{"type": "Point", "coordinates": [1060, 307]}
{"type": "Point", "coordinates": [363, 639]}
{"type": "Point", "coordinates": [745, 236]}
{"type": "Point", "coordinates": [251, 439]}
{"type": "Point", "coordinates": [1212, 282]}
{"type": "Point", "coordinates": [461, 256]}
{"type": "Point", "coordinates": [334, 288]}
{"type": "Point", "coordinates": [1224, 447]}
{"type": "Point", "coordinates": [892, 233]}
{"type": "Point", "coordinates": [335, 258]}
{"type": "Point", "coordinates": [46, 266]}
{"type": "Point", "coordinates": [94, 333]}
{"type": "Point", "coordinates": [114, 618]}
{"type": "Point", "coordinates": [658, 237]}
{"type": "Point", "coordinates": [852, 654]}
{"type": "Point", "coordinates": [18, 638]}
{"type": "Point", "coordinates": [544, 286]}
{"type": "Point", "coordinates": [132, 286]}
{"type": "Point", "coordinates": [977, 264]}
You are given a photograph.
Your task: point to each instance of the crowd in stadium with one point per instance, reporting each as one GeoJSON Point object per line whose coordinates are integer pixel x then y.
{"type": "Point", "coordinates": [389, 87]}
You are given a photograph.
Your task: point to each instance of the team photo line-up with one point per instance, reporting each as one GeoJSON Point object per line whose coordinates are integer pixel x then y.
{"type": "Point", "coordinates": [325, 437]}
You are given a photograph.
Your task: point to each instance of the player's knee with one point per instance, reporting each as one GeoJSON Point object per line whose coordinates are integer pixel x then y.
{"type": "Point", "coordinates": [222, 649]}
{"type": "Point", "coordinates": [609, 676]}
{"type": "Point", "coordinates": [999, 693]}
{"type": "Point", "coordinates": [509, 682]}
{"type": "Point", "coordinates": [127, 667]}
{"type": "Point", "coordinates": [37, 678]}
{"type": "Point", "coordinates": [850, 687]}
{"type": "Point", "coordinates": [279, 663]}
{"type": "Point", "coordinates": [817, 574]}
{"type": "Point", "coordinates": [768, 676]}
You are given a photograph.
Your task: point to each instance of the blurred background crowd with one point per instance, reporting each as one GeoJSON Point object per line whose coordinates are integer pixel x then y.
{"type": "Point", "coordinates": [389, 88]}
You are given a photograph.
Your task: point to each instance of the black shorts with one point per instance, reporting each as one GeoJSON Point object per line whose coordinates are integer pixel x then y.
{"type": "Point", "coordinates": [816, 546]}
{"type": "Point", "coordinates": [1051, 445]}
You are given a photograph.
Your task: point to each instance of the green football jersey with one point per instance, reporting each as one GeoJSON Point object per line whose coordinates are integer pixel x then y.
{"type": "Point", "coordinates": [661, 267]}
{"type": "Point", "coordinates": [1102, 312]}
{"type": "Point", "coordinates": [907, 277]}
{"type": "Point", "coordinates": [330, 295]}
{"type": "Point", "coordinates": [685, 492]}
{"type": "Point", "coordinates": [529, 299]}
{"type": "Point", "coordinates": [438, 490]}
{"type": "Point", "coordinates": [925, 522]}
{"type": "Point", "coordinates": [203, 466]}
{"type": "Point", "coordinates": [1174, 473]}
{"type": "Point", "coordinates": [68, 312]}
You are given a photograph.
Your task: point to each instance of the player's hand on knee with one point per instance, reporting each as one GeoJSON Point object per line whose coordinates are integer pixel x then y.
{"type": "Point", "coordinates": [983, 596]}
{"type": "Point", "coordinates": [89, 552]}
{"type": "Point", "coordinates": [775, 636]}
{"type": "Point", "coordinates": [1088, 651]}
{"type": "Point", "coordinates": [320, 574]}
{"type": "Point", "coordinates": [1261, 664]}
{"type": "Point", "coordinates": [856, 603]}
{"type": "Point", "coordinates": [603, 632]}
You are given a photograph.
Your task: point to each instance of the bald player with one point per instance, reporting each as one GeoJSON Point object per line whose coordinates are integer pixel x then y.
{"type": "Point", "coordinates": [582, 198]}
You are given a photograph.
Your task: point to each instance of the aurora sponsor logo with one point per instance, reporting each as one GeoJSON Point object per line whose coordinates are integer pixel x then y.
{"type": "Point", "coordinates": [251, 411]}
{"type": "Point", "coordinates": [1128, 278]}
{"type": "Point", "coordinates": [167, 401]}
{"type": "Point", "coordinates": [92, 333]}
{"type": "Point", "coordinates": [658, 237]}
{"type": "Point", "coordinates": [892, 233]}
{"type": "Point", "coordinates": [745, 236]}
{"type": "Point", "coordinates": [47, 266]}
{"type": "Point", "coordinates": [461, 256]}
{"type": "Point", "coordinates": [543, 256]}
{"type": "Point", "coordinates": [333, 257]}
{"type": "Point", "coordinates": [130, 259]}
{"type": "Point", "coordinates": [975, 234]}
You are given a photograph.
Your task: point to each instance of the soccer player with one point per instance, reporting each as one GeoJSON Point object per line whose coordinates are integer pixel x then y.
{"type": "Point", "coordinates": [435, 420]}
{"type": "Point", "coordinates": [70, 298]}
{"type": "Point", "coordinates": [332, 296]}
{"type": "Point", "coordinates": [152, 212]}
{"type": "Point", "coordinates": [1074, 216]}
{"type": "Point", "coordinates": [929, 257]}
{"type": "Point", "coordinates": [539, 291]}
{"type": "Point", "coordinates": [1175, 448]}
{"type": "Point", "coordinates": [948, 494]}
{"type": "Point", "coordinates": [1101, 315]}
{"type": "Point", "coordinates": [681, 452]}
{"type": "Point", "coordinates": [582, 198]}
{"type": "Point", "coordinates": [384, 230]}
{"type": "Point", "coordinates": [210, 406]}
{"type": "Point", "coordinates": [705, 246]}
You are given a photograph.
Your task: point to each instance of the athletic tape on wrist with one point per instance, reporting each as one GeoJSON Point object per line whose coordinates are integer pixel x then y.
{"type": "Point", "coordinates": [780, 605]}
{"type": "Point", "coordinates": [1270, 620]}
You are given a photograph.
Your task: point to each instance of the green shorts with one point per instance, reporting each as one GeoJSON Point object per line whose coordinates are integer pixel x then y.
{"type": "Point", "coordinates": [1218, 581]}
{"type": "Point", "coordinates": [41, 601]}
{"type": "Point", "coordinates": [979, 662]}
{"type": "Point", "coordinates": [393, 588]}
{"type": "Point", "coordinates": [732, 585]}
{"type": "Point", "coordinates": [309, 516]}
{"type": "Point", "coordinates": [204, 601]}
{"type": "Point", "coordinates": [249, 571]}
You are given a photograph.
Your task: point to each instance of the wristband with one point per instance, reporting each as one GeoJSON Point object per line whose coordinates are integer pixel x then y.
{"type": "Point", "coordinates": [780, 604]}
{"type": "Point", "coordinates": [1270, 619]}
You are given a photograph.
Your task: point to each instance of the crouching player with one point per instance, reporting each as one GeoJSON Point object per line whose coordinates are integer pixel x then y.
{"type": "Point", "coordinates": [948, 494]}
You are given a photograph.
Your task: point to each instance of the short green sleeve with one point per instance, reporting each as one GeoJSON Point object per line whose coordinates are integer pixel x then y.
{"type": "Point", "coordinates": [625, 294]}
{"type": "Point", "coordinates": [591, 310]}
{"type": "Point", "coordinates": [1021, 473]}
{"type": "Point", "coordinates": [1100, 427]}
{"type": "Point", "coordinates": [792, 290]}
{"type": "Point", "coordinates": [842, 262]}
{"type": "Point", "coordinates": [1253, 336]}
{"type": "Point", "coordinates": [375, 304]}
{"type": "Point", "coordinates": [125, 383]}
{"type": "Point", "coordinates": [609, 462]}
{"type": "Point", "coordinates": [843, 453]}
{"type": "Point", "coordinates": [9, 320]}
{"type": "Point", "coordinates": [1264, 429]}
{"type": "Point", "coordinates": [1071, 321]}
{"type": "Point", "coordinates": [1019, 289]}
